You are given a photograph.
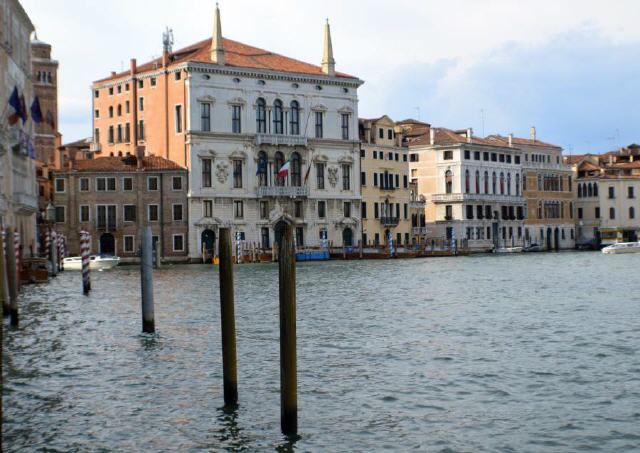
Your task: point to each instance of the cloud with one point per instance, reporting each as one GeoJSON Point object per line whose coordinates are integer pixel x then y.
{"type": "Point", "coordinates": [578, 89]}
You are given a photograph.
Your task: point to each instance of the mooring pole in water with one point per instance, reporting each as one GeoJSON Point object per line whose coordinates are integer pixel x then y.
{"type": "Point", "coordinates": [4, 281]}
{"type": "Point", "coordinates": [12, 276]}
{"type": "Point", "coordinates": [3, 296]}
{"type": "Point", "coordinates": [227, 319]}
{"type": "Point", "coordinates": [146, 281]}
{"type": "Point", "coordinates": [288, 366]}
{"type": "Point", "coordinates": [85, 252]}
{"type": "Point", "coordinates": [54, 255]}
{"type": "Point", "coordinates": [158, 255]}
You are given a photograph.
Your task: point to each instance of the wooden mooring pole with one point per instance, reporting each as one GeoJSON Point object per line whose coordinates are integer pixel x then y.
{"type": "Point", "coordinates": [4, 281]}
{"type": "Point", "coordinates": [146, 281]}
{"type": "Point", "coordinates": [288, 361]}
{"type": "Point", "coordinates": [228, 321]}
{"type": "Point", "coordinates": [12, 276]}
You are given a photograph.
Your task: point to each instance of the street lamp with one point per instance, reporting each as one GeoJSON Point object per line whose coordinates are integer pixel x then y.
{"type": "Point", "coordinates": [50, 214]}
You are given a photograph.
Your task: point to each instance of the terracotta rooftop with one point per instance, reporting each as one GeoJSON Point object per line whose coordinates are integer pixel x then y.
{"type": "Point", "coordinates": [588, 166]}
{"type": "Point", "coordinates": [574, 158]}
{"type": "Point", "coordinates": [124, 164]}
{"type": "Point", "coordinates": [522, 141]}
{"type": "Point", "coordinates": [238, 55]}
{"type": "Point", "coordinates": [448, 137]}
{"type": "Point", "coordinates": [82, 143]}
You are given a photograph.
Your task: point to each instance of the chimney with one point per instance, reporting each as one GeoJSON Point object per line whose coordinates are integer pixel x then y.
{"type": "Point", "coordinates": [610, 159]}
{"type": "Point", "coordinates": [134, 67]}
{"type": "Point", "coordinates": [533, 133]}
{"type": "Point", "coordinates": [328, 63]}
{"type": "Point", "coordinates": [139, 156]}
{"type": "Point", "coordinates": [510, 140]}
{"type": "Point", "coordinates": [432, 136]}
{"type": "Point", "coordinates": [217, 49]}
{"type": "Point", "coordinates": [113, 73]}
{"type": "Point", "coordinates": [469, 134]}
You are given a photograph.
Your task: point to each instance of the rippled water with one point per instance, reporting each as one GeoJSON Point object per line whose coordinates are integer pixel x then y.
{"type": "Point", "coordinates": [528, 353]}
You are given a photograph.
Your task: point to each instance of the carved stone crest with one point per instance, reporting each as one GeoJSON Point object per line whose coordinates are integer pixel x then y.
{"type": "Point", "coordinates": [333, 176]}
{"type": "Point", "coordinates": [222, 172]}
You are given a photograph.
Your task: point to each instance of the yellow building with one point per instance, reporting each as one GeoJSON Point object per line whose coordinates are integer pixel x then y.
{"type": "Point", "coordinates": [390, 209]}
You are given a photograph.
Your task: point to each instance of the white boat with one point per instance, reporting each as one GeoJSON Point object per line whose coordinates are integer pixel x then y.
{"type": "Point", "coordinates": [508, 250]}
{"type": "Point", "coordinates": [622, 247]}
{"type": "Point", "coordinates": [74, 263]}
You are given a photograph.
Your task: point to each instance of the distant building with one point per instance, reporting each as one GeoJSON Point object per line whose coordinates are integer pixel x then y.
{"type": "Point", "coordinates": [389, 206]}
{"type": "Point", "coordinates": [472, 187]}
{"type": "Point", "coordinates": [234, 115]}
{"type": "Point", "coordinates": [547, 184]}
{"type": "Point", "coordinates": [18, 195]}
{"type": "Point", "coordinates": [607, 190]}
{"type": "Point", "coordinates": [114, 197]}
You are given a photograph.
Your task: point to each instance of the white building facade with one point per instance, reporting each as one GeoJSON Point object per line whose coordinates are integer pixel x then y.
{"type": "Point", "coordinates": [243, 125]}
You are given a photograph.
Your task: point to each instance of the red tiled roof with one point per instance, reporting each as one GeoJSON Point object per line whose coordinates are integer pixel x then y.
{"type": "Point", "coordinates": [125, 164]}
{"type": "Point", "coordinates": [448, 137]}
{"type": "Point", "coordinates": [574, 158]}
{"type": "Point", "coordinates": [522, 141]}
{"type": "Point", "coordinates": [588, 166]}
{"type": "Point", "coordinates": [82, 143]}
{"type": "Point", "coordinates": [237, 54]}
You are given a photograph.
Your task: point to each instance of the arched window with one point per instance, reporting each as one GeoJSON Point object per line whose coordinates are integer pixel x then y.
{"type": "Point", "coordinates": [110, 111]}
{"type": "Point", "coordinates": [494, 182]}
{"type": "Point", "coordinates": [119, 109]}
{"type": "Point", "coordinates": [579, 190]}
{"type": "Point", "coordinates": [539, 209]}
{"type": "Point", "coordinates": [277, 117]}
{"type": "Point", "coordinates": [448, 181]}
{"type": "Point", "coordinates": [296, 172]}
{"type": "Point", "coordinates": [347, 237]}
{"type": "Point", "coordinates": [278, 162]}
{"type": "Point", "coordinates": [539, 182]}
{"type": "Point", "coordinates": [262, 168]}
{"type": "Point", "coordinates": [590, 190]}
{"type": "Point", "coordinates": [501, 183]}
{"type": "Point", "coordinates": [571, 209]}
{"type": "Point", "coordinates": [261, 116]}
{"type": "Point", "coordinates": [612, 213]}
{"type": "Point", "coordinates": [595, 189]}
{"type": "Point", "coordinates": [632, 213]}
{"type": "Point", "coordinates": [508, 183]}
{"type": "Point", "coordinates": [486, 182]}
{"type": "Point", "coordinates": [467, 182]}
{"type": "Point", "coordinates": [294, 122]}
{"type": "Point", "coordinates": [477, 181]}
{"type": "Point", "coordinates": [517, 184]}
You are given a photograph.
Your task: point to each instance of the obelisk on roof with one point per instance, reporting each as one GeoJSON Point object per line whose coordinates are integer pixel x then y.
{"type": "Point", "coordinates": [217, 50]}
{"type": "Point", "coordinates": [328, 63]}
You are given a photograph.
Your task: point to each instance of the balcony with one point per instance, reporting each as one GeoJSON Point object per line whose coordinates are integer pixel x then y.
{"type": "Point", "coordinates": [283, 191]}
{"type": "Point", "coordinates": [417, 204]}
{"type": "Point", "coordinates": [387, 188]}
{"type": "Point", "coordinates": [25, 202]}
{"type": "Point", "coordinates": [478, 197]}
{"type": "Point", "coordinates": [282, 140]}
{"type": "Point", "coordinates": [389, 221]}
{"type": "Point", "coordinates": [419, 231]}
{"type": "Point", "coordinates": [546, 166]}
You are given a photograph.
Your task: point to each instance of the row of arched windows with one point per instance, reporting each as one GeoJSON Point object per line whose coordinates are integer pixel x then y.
{"type": "Point", "coordinates": [553, 209]}
{"type": "Point", "coordinates": [277, 117]}
{"type": "Point", "coordinates": [295, 169]}
{"type": "Point", "coordinates": [482, 185]}
{"type": "Point", "coordinates": [44, 77]}
{"type": "Point", "coordinates": [586, 190]}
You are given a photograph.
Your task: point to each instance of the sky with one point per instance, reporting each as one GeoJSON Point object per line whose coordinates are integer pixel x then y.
{"type": "Point", "coordinates": [571, 68]}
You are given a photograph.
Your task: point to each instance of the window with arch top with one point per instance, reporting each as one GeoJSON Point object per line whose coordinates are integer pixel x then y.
{"type": "Point", "coordinates": [294, 121]}
{"type": "Point", "coordinates": [296, 171]}
{"type": "Point", "coordinates": [278, 162]}
{"type": "Point", "coordinates": [262, 168]}
{"type": "Point", "coordinates": [278, 117]}
{"type": "Point", "coordinates": [261, 116]}
{"type": "Point", "coordinates": [501, 183]}
{"type": "Point", "coordinates": [494, 182]}
{"type": "Point", "coordinates": [477, 181]}
{"type": "Point", "coordinates": [467, 182]}
{"type": "Point", "coordinates": [448, 181]}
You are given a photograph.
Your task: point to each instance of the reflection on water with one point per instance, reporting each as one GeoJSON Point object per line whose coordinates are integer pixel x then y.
{"type": "Point", "coordinates": [512, 353]}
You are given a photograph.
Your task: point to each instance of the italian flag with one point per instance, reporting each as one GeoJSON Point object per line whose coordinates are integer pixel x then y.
{"type": "Point", "coordinates": [284, 171]}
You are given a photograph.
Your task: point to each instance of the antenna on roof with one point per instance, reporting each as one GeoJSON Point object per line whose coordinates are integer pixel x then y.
{"type": "Point", "coordinates": [167, 40]}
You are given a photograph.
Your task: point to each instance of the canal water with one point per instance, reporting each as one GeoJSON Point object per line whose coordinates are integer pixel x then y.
{"type": "Point", "coordinates": [519, 353]}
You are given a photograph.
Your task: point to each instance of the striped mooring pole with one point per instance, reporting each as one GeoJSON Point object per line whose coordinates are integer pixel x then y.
{"type": "Point", "coordinates": [47, 245]}
{"type": "Point", "coordinates": [16, 246]}
{"type": "Point", "coordinates": [85, 249]}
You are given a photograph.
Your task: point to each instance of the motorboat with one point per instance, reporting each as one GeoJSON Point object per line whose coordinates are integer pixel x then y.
{"type": "Point", "coordinates": [622, 247]}
{"type": "Point", "coordinates": [533, 248]}
{"type": "Point", "coordinates": [96, 262]}
{"type": "Point", "coordinates": [508, 250]}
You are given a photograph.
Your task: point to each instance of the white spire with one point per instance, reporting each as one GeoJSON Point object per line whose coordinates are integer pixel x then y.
{"type": "Point", "coordinates": [217, 50]}
{"type": "Point", "coordinates": [328, 63]}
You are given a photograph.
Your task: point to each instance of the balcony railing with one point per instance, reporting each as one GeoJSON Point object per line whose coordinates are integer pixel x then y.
{"type": "Point", "coordinates": [283, 191]}
{"type": "Point", "coordinates": [389, 221]}
{"type": "Point", "coordinates": [387, 188]}
{"type": "Point", "coordinates": [417, 204]}
{"type": "Point", "coordinates": [546, 166]}
{"type": "Point", "coordinates": [26, 201]}
{"type": "Point", "coordinates": [483, 197]}
{"type": "Point", "coordinates": [419, 231]}
{"type": "Point", "coordinates": [283, 140]}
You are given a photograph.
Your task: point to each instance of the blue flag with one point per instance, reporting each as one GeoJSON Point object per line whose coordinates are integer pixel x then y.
{"type": "Point", "coordinates": [14, 101]}
{"type": "Point", "coordinates": [36, 113]}
{"type": "Point", "coordinates": [262, 166]}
